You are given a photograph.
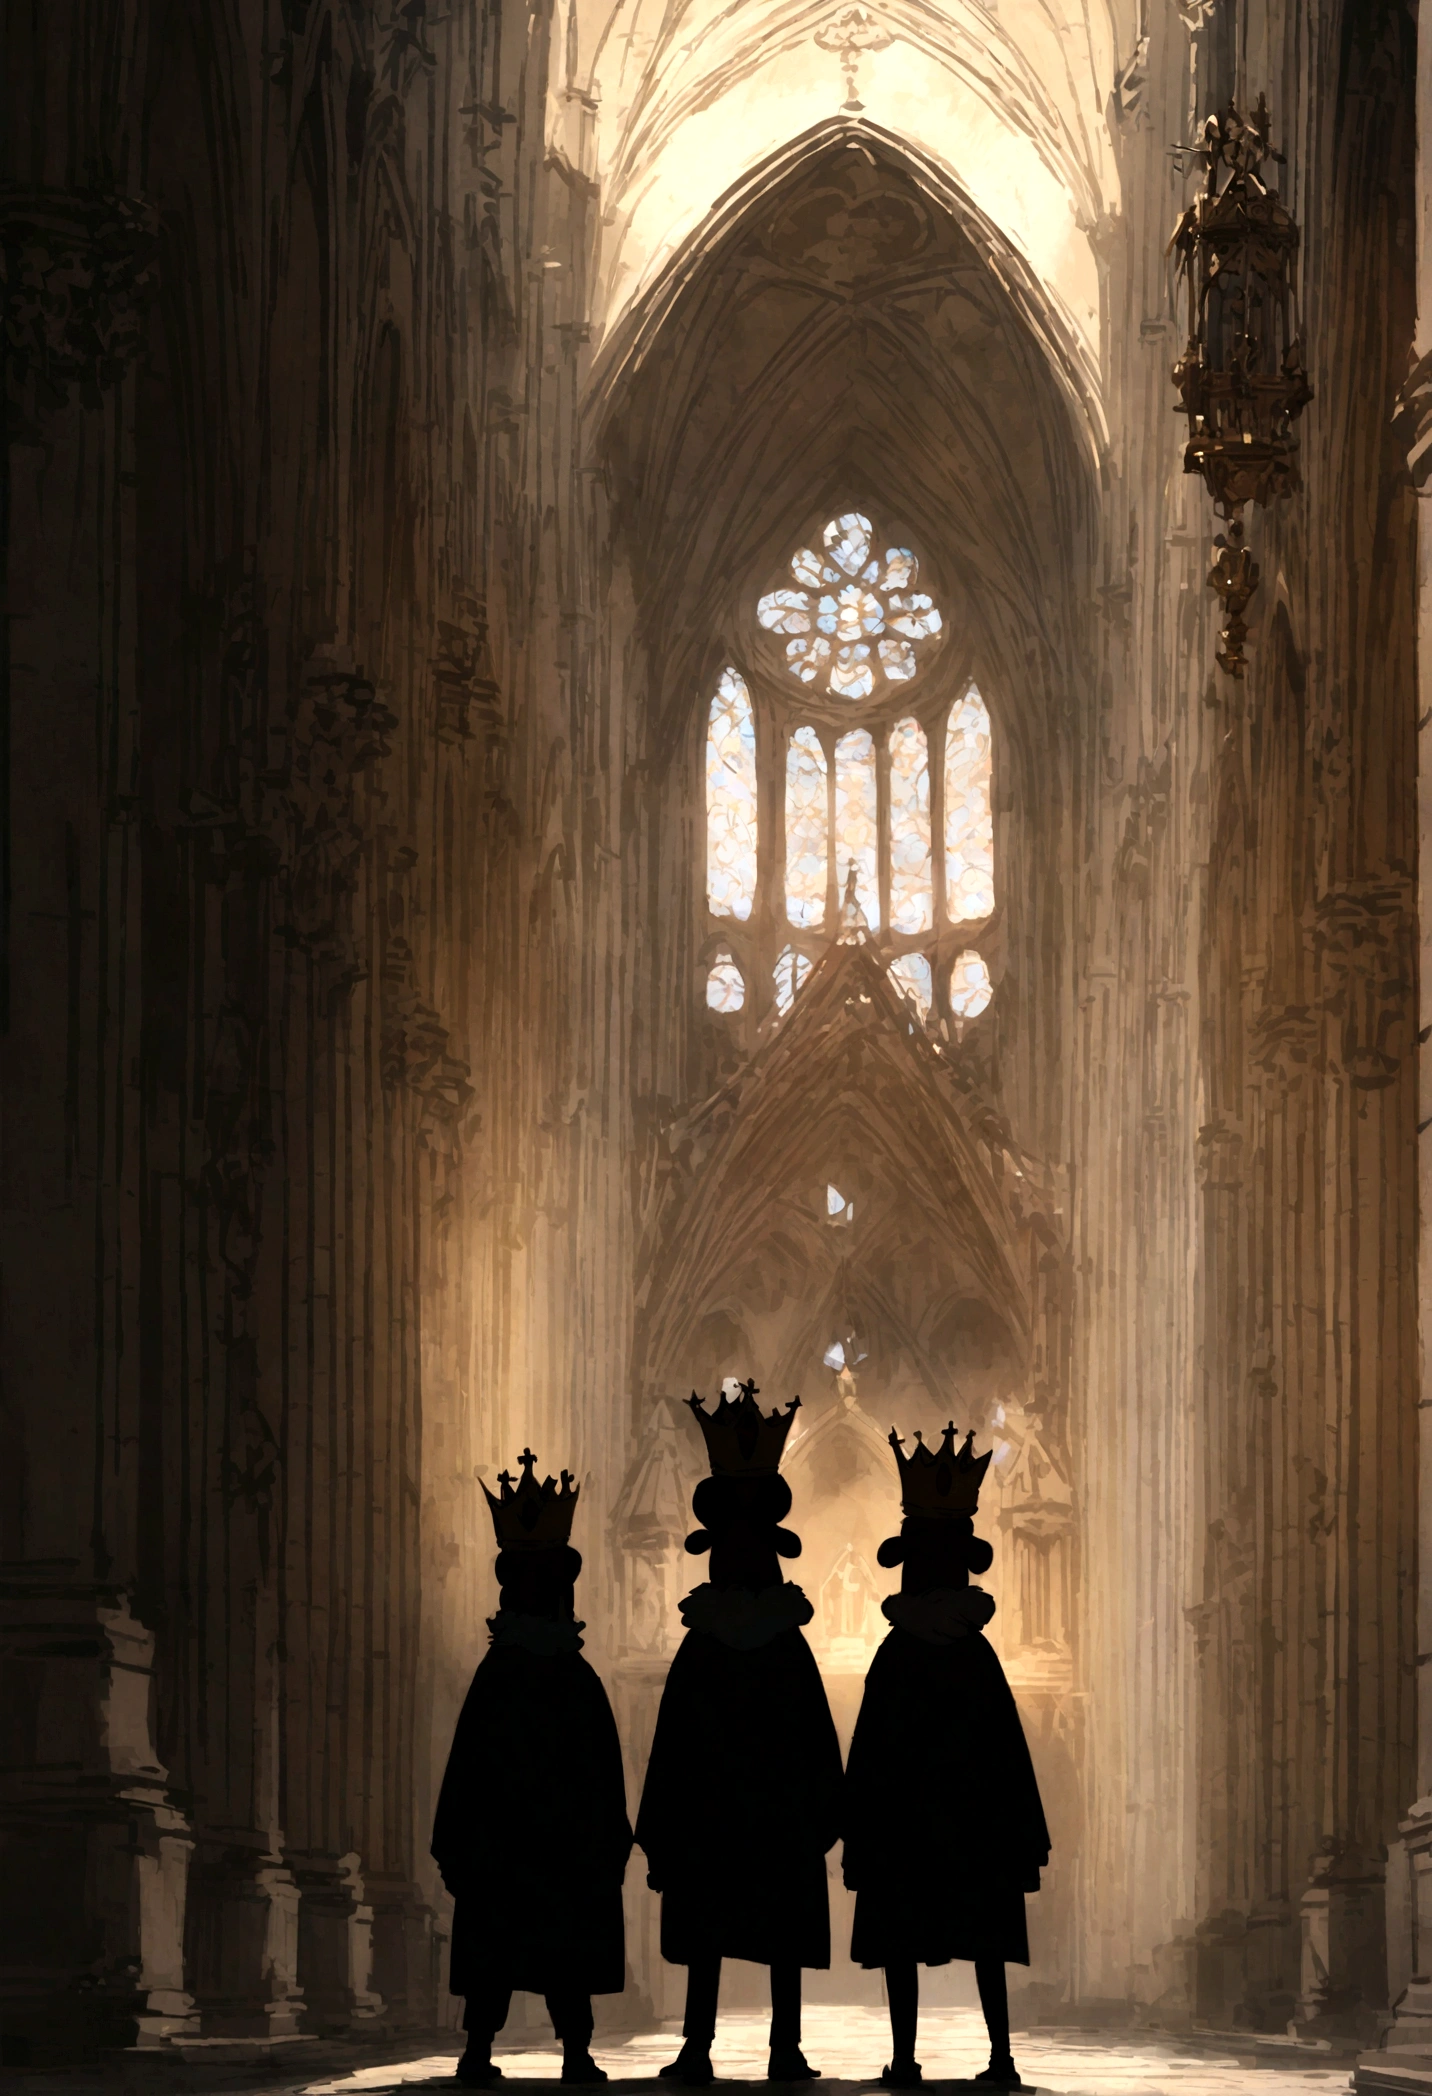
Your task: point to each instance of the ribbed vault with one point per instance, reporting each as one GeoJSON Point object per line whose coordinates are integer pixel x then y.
{"type": "Point", "coordinates": [848, 338]}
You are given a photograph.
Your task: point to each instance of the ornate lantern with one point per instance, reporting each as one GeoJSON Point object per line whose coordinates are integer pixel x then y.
{"type": "Point", "coordinates": [1241, 380]}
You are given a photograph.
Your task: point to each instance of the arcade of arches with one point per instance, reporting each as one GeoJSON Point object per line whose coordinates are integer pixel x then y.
{"type": "Point", "coordinates": [616, 776]}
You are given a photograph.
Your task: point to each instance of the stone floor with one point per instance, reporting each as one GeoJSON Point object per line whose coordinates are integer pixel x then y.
{"type": "Point", "coordinates": [850, 2045]}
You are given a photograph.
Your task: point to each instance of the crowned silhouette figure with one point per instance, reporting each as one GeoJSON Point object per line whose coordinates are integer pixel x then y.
{"type": "Point", "coordinates": [531, 1834]}
{"type": "Point", "coordinates": [742, 1793]}
{"type": "Point", "coordinates": [937, 1872]}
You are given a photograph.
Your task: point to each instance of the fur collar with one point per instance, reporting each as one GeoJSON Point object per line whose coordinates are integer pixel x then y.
{"type": "Point", "coordinates": [744, 1620]}
{"type": "Point", "coordinates": [548, 1637]}
{"type": "Point", "coordinates": [941, 1616]}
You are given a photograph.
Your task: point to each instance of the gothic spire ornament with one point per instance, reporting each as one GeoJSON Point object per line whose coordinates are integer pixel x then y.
{"type": "Point", "coordinates": [1240, 380]}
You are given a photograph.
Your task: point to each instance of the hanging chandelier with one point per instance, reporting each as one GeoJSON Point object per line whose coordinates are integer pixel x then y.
{"type": "Point", "coordinates": [1241, 380]}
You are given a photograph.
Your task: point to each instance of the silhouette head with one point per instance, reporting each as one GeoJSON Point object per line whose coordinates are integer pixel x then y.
{"type": "Point", "coordinates": [540, 1582]}
{"type": "Point", "coordinates": [740, 1526]}
{"type": "Point", "coordinates": [931, 1553]}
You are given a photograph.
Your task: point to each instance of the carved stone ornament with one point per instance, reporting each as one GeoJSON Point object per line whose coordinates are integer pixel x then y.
{"type": "Point", "coordinates": [849, 36]}
{"type": "Point", "coordinates": [1241, 381]}
{"type": "Point", "coordinates": [463, 681]}
{"type": "Point", "coordinates": [77, 273]}
{"type": "Point", "coordinates": [338, 730]}
{"type": "Point", "coordinates": [1131, 82]}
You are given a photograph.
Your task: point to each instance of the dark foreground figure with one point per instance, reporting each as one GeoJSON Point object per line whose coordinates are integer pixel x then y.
{"type": "Point", "coordinates": [939, 1871]}
{"type": "Point", "coordinates": [742, 1793]}
{"type": "Point", "coordinates": [531, 1834]}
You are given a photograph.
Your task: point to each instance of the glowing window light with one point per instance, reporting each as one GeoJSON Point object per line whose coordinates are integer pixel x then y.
{"type": "Point", "coordinates": [851, 614]}
{"type": "Point", "coordinates": [856, 829]}
{"type": "Point", "coordinates": [911, 974]}
{"type": "Point", "coordinates": [806, 829]}
{"type": "Point", "coordinates": [731, 799]}
{"type": "Point", "coordinates": [969, 816]}
{"type": "Point", "coordinates": [912, 901]}
{"type": "Point", "coordinates": [970, 986]}
{"type": "Point", "coordinates": [725, 985]}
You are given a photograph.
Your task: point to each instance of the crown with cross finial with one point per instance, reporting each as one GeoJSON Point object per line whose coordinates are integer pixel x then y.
{"type": "Point", "coordinates": [944, 1483]}
{"type": "Point", "coordinates": [741, 1439]}
{"type": "Point", "coordinates": [530, 1516]}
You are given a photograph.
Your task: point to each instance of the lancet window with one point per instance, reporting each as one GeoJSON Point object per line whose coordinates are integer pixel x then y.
{"type": "Point", "coordinates": [843, 748]}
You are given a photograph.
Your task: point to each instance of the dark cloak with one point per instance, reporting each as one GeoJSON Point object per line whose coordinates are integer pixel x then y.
{"type": "Point", "coordinates": [741, 1803]}
{"type": "Point", "coordinates": [531, 1833]}
{"type": "Point", "coordinates": [945, 1832]}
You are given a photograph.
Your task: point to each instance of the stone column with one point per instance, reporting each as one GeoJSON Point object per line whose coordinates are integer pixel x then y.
{"type": "Point", "coordinates": [94, 1853]}
{"type": "Point", "coordinates": [243, 1944]}
{"type": "Point", "coordinates": [335, 1943]}
{"type": "Point", "coordinates": [1411, 1917]}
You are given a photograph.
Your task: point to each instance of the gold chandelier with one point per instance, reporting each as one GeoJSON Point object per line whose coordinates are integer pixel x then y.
{"type": "Point", "coordinates": [1241, 380]}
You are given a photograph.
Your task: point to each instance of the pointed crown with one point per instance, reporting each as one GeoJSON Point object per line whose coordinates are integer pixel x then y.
{"type": "Point", "coordinates": [742, 1440]}
{"type": "Point", "coordinates": [944, 1483]}
{"type": "Point", "coordinates": [530, 1516]}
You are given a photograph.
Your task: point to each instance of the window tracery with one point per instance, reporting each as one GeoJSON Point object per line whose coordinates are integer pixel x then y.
{"type": "Point", "coordinates": [873, 796]}
{"type": "Point", "coordinates": [791, 970]}
{"type": "Point", "coordinates": [851, 613]}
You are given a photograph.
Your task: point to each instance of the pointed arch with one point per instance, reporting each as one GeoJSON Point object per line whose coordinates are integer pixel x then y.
{"type": "Point", "coordinates": [846, 1062]}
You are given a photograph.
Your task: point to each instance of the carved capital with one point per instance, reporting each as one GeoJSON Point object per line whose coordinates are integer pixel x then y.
{"type": "Point", "coordinates": [77, 273]}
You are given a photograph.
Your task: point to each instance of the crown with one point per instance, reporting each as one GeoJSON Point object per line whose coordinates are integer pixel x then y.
{"type": "Point", "coordinates": [947, 1483]}
{"type": "Point", "coordinates": [741, 1441]}
{"type": "Point", "coordinates": [530, 1516]}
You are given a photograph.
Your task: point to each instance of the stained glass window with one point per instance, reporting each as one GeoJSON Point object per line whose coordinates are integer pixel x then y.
{"type": "Point", "coordinates": [725, 985]}
{"type": "Point", "coordinates": [912, 903]}
{"type": "Point", "coordinates": [806, 829]}
{"type": "Point", "coordinates": [853, 618]}
{"type": "Point", "coordinates": [911, 974]}
{"type": "Point", "coordinates": [969, 818]}
{"type": "Point", "coordinates": [970, 986]}
{"type": "Point", "coordinates": [791, 971]}
{"type": "Point", "coordinates": [855, 803]}
{"type": "Point", "coordinates": [731, 799]}
{"type": "Point", "coordinates": [857, 833]}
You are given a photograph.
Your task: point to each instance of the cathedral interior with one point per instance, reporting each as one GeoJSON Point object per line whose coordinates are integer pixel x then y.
{"type": "Point", "coordinates": [620, 771]}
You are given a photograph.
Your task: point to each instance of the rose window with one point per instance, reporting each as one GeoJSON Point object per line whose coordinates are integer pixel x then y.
{"type": "Point", "coordinates": [853, 615]}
